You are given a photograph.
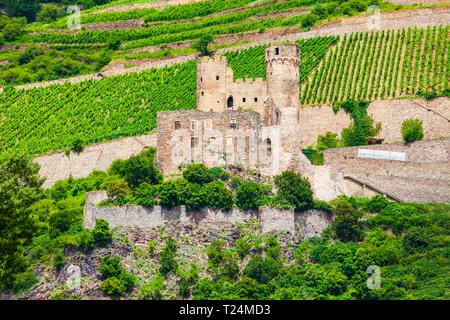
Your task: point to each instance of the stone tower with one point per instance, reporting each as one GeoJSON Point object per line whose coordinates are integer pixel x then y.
{"type": "Point", "coordinates": [282, 63]}
{"type": "Point", "coordinates": [283, 90]}
{"type": "Point", "coordinates": [211, 83]}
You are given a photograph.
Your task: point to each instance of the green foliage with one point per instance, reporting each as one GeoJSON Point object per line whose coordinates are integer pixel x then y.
{"type": "Point", "coordinates": [261, 270]}
{"type": "Point", "coordinates": [362, 127]}
{"type": "Point", "coordinates": [167, 257]}
{"type": "Point", "coordinates": [62, 220]}
{"type": "Point", "coordinates": [222, 263]}
{"type": "Point", "coordinates": [86, 240]}
{"type": "Point", "coordinates": [327, 141]}
{"type": "Point", "coordinates": [116, 280]}
{"type": "Point", "coordinates": [346, 224]}
{"type": "Point", "coordinates": [308, 20]}
{"type": "Point", "coordinates": [412, 130]}
{"type": "Point", "coordinates": [195, 197]}
{"type": "Point", "coordinates": [20, 187]}
{"type": "Point", "coordinates": [138, 169]}
{"type": "Point", "coordinates": [314, 156]}
{"type": "Point", "coordinates": [197, 173]}
{"type": "Point", "coordinates": [169, 194]}
{"type": "Point", "coordinates": [377, 203]}
{"type": "Point", "coordinates": [248, 195]}
{"type": "Point", "coordinates": [218, 197]}
{"type": "Point", "coordinates": [117, 190]}
{"type": "Point", "coordinates": [146, 195]}
{"type": "Point", "coordinates": [101, 233]}
{"type": "Point", "coordinates": [295, 189]}
{"type": "Point", "coordinates": [202, 43]}
{"type": "Point", "coordinates": [49, 13]}
{"type": "Point", "coordinates": [59, 259]}
{"type": "Point", "coordinates": [248, 288]}
{"type": "Point", "coordinates": [153, 289]}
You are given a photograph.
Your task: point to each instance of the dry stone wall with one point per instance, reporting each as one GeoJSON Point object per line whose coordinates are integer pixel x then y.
{"type": "Point", "coordinates": [307, 224]}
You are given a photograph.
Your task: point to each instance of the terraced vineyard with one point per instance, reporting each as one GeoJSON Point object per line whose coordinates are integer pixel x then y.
{"type": "Point", "coordinates": [49, 119]}
{"type": "Point", "coordinates": [381, 64]}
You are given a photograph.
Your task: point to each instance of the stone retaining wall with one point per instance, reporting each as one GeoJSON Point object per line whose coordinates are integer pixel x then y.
{"type": "Point", "coordinates": [308, 224]}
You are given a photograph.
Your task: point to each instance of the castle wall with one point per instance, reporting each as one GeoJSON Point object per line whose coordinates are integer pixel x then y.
{"type": "Point", "coordinates": [307, 224]}
{"type": "Point", "coordinates": [215, 86]}
{"type": "Point", "coordinates": [186, 136]}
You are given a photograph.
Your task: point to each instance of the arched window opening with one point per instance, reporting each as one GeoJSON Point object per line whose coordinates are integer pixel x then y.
{"type": "Point", "coordinates": [230, 102]}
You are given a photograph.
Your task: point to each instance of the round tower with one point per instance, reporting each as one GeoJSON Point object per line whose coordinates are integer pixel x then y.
{"type": "Point", "coordinates": [282, 64]}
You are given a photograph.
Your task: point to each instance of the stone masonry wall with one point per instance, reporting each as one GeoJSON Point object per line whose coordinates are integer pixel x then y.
{"type": "Point", "coordinates": [391, 113]}
{"type": "Point", "coordinates": [192, 140]}
{"type": "Point", "coordinates": [58, 166]}
{"type": "Point", "coordinates": [308, 224]}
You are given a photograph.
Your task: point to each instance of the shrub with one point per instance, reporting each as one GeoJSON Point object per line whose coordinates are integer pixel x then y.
{"type": "Point", "coordinates": [215, 172]}
{"type": "Point", "coordinates": [85, 240]}
{"type": "Point", "coordinates": [112, 287]}
{"type": "Point", "coordinates": [412, 130]}
{"type": "Point", "coordinates": [117, 190]}
{"type": "Point", "coordinates": [218, 197]}
{"type": "Point", "coordinates": [272, 248]}
{"type": "Point", "coordinates": [138, 169]}
{"type": "Point", "coordinates": [262, 270]}
{"type": "Point", "coordinates": [202, 43]}
{"type": "Point", "coordinates": [62, 219]}
{"type": "Point", "coordinates": [224, 175]}
{"type": "Point", "coordinates": [101, 233]}
{"type": "Point", "coordinates": [146, 195]}
{"type": "Point", "coordinates": [49, 13]}
{"type": "Point", "coordinates": [153, 289]}
{"type": "Point", "coordinates": [292, 187]}
{"type": "Point", "coordinates": [248, 195]}
{"type": "Point", "coordinates": [197, 173]}
{"type": "Point", "coordinates": [377, 203]}
{"type": "Point", "coordinates": [308, 20]}
{"type": "Point", "coordinates": [243, 247]}
{"type": "Point", "coordinates": [167, 257]}
{"type": "Point", "coordinates": [169, 195]}
{"type": "Point", "coordinates": [77, 145]}
{"type": "Point", "coordinates": [236, 182]}
{"type": "Point", "coordinates": [59, 259]}
{"type": "Point", "coordinates": [152, 247]}
{"type": "Point", "coordinates": [194, 197]}
{"type": "Point", "coordinates": [110, 267]}
{"type": "Point", "coordinates": [248, 288]}
{"type": "Point", "coordinates": [329, 140]}
{"type": "Point", "coordinates": [346, 224]}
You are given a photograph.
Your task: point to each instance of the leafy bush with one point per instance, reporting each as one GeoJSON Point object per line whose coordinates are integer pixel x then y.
{"type": "Point", "coordinates": [197, 173]}
{"type": "Point", "coordinates": [138, 169]}
{"type": "Point", "coordinates": [218, 197]}
{"type": "Point", "coordinates": [101, 233]}
{"type": "Point", "coordinates": [292, 187]}
{"type": "Point", "coordinates": [146, 195]}
{"type": "Point", "coordinates": [117, 191]}
{"type": "Point", "coordinates": [86, 240]}
{"type": "Point", "coordinates": [308, 20]}
{"type": "Point", "coordinates": [110, 267]}
{"type": "Point", "coordinates": [167, 257]}
{"type": "Point", "coordinates": [215, 172]}
{"type": "Point", "coordinates": [169, 194]}
{"type": "Point", "coordinates": [59, 259]}
{"type": "Point", "coordinates": [202, 43]}
{"type": "Point", "coordinates": [346, 224]}
{"type": "Point", "coordinates": [62, 219]}
{"type": "Point", "coordinates": [113, 286]}
{"type": "Point", "coordinates": [248, 195]}
{"type": "Point", "coordinates": [327, 141]}
{"type": "Point", "coordinates": [412, 130]}
{"type": "Point", "coordinates": [153, 289]}
{"type": "Point", "coordinates": [262, 270]}
{"type": "Point", "coordinates": [377, 203]}
{"type": "Point", "coordinates": [194, 197]}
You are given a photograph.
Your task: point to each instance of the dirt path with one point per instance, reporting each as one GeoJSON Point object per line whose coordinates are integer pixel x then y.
{"type": "Point", "coordinates": [393, 20]}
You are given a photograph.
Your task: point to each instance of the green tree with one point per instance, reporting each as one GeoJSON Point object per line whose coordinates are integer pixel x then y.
{"type": "Point", "coordinates": [20, 187]}
{"type": "Point", "coordinates": [117, 190]}
{"type": "Point", "coordinates": [292, 187]}
{"type": "Point", "coordinates": [327, 141]}
{"type": "Point", "coordinates": [101, 233]}
{"type": "Point", "coordinates": [202, 43]}
{"type": "Point", "coordinates": [49, 13]}
{"type": "Point", "coordinates": [167, 257]}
